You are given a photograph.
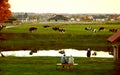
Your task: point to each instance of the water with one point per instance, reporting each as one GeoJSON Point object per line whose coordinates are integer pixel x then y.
{"type": "Point", "coordinates": [68, 52]}
{"type": "Point", "coordinates": [10, 26]}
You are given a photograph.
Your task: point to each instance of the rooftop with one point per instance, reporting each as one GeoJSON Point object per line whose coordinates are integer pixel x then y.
{"type": "Point", "coordinates": [115, 37]}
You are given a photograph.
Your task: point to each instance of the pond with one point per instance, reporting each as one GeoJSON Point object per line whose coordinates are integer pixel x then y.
{"type": "Point", "coordinates": [68, 52]}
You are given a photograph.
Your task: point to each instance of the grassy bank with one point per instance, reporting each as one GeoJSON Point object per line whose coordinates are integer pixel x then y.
{"type": "Point", "coordinates": [46, 66]}
{"type": "Point", "coordinates": [75, 36]}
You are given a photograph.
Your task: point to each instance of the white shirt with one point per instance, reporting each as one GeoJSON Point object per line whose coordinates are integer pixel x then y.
{"type": "Point", "coordinates": [71, 60]}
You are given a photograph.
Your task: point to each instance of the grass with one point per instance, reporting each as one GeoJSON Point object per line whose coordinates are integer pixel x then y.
{"type": "Point", "coordinates": [76, 37]}
{"type": "Point", "coordinates": [46, 66]}
{"type": "Point", "coordinates": [19, 37]}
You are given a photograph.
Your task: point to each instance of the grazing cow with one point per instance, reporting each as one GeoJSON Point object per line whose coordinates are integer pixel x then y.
{"type": "Point", "coordinates": [2, 26]}
{"type": "Point", "coordinates": [94, 30]}
{"type": "Point", "coordinates": [113, 30]}
{"type": "Point", "coordinates": [101, 28]}
{"type": "Point", "coordinates": [58, 29]}
{"type": "Point", "coordinates": [61, 30]}
{"type": "Point", "coordinates": [46, 26]}
{"type": "Point", "coordinates": [55, 28]}
{"type": "Point", "coordinates": [89, 28]}
{"type": "Point", "coordinates": [32, 29]}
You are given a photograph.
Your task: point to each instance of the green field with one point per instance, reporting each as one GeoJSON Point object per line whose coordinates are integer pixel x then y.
{"type": "Point", "coordinates": [47, 66]}
{"type": "Point", "coordinates": [75, 37]}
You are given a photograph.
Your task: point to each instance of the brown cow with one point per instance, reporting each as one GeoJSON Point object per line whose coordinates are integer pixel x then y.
{"type": "Point", "coordinates": [113, 30]}
{"type": "Point", "coordinates": [101, 28]}
{"type": "Point", "coordinates": [32, 29]}
{"type": "Point", "coordinates": [55, 28]}
{"type": "Point", "coordinates": [46, 26]}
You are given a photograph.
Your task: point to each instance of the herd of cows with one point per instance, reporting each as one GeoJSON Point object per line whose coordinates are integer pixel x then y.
{"type": "Point", "coordinates": [100, 29]}
{"type": "Point", "coordinates": [31, 29]}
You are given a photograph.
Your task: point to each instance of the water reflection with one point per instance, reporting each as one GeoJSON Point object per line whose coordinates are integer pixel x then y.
{"type": "Point", "coordinates": [68, 52]}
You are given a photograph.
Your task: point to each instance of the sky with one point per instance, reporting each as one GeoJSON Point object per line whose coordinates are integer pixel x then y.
{"type": "Point", "coordinates": [66, 6]}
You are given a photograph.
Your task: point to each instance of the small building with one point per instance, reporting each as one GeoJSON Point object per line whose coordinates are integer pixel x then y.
{"type": "Point", "coordinates": [58, 17]}
{"type": "Point", "coordinates": [11, 19]}
{"type": "Point", "coordinates": [115, 41]}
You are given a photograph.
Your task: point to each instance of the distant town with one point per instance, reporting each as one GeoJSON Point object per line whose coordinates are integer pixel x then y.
{"type": "Point", "coordinates": [21, 17]}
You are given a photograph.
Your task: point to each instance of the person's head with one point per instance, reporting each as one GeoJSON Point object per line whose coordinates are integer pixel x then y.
{"type": "Point", "coordinates": [71, 56]}
{"type": "Point", "coordinates": [88, 49]}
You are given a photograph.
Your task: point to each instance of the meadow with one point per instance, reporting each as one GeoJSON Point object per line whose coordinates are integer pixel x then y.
{"type": "Point", "coordinates": [75, 36]}
{"type": "Point", "coordinates": [47, 66]}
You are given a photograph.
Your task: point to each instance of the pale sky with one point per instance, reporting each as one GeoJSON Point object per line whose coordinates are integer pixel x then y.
{"type": "Point", "coordinates": [66, 6]}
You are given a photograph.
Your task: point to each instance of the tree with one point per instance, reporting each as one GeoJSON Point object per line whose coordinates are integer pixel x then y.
{"type": "Point", "coordinates": [25, 15]}
{"type": "Point", "coordinates": [5, 13]}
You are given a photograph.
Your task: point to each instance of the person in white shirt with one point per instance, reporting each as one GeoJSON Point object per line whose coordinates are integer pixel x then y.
{"type": "Point", "coordinates": [71, 60]}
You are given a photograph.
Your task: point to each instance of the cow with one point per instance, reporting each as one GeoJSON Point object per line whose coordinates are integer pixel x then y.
{"type": "Point", "coordinates": [61, 30]}
{"type": "Point", "coordinates": [113, 30]}
{"type": "Point", "coordinates": [101, 28]}
{"type": "Point", "coordinates": [58, 29]}
{"type": "Point", "coordinates": [55, 28]}
{"type": "Point", "coordinates": [32, 29]}
{"type": "Point", "coordinates": [88, 28]}
{"type": "Point", "coordinates": [46, 26]}
{"type": "Point", "coordinates": [2, 27]}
